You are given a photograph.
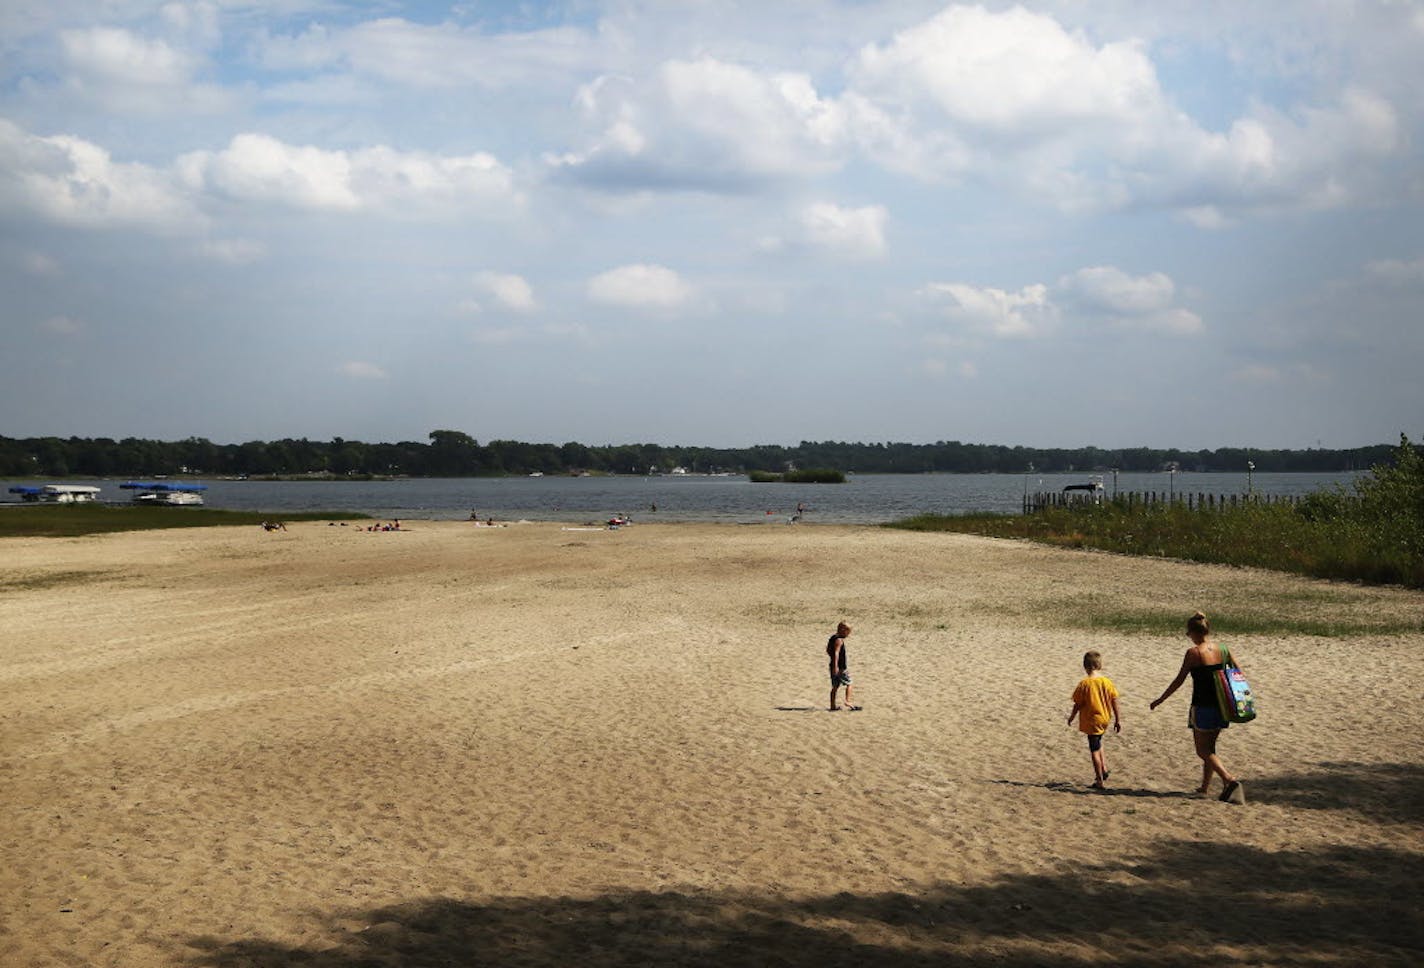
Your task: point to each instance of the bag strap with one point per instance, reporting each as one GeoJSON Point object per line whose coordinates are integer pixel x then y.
{"type": "Point", "coordinates": [1226, 661]}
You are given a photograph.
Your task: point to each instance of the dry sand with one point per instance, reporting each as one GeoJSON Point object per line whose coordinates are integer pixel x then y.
{"type": "Point", "coordinates": [531, 746]}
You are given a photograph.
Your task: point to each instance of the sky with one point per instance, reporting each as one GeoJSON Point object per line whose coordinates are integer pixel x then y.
{"type": "Point", "coordinates": [714, 222]}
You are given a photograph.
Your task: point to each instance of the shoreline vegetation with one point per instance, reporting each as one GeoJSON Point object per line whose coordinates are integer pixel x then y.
{"type": "Point", "coordinates": [1372, 534]}
{"type": "Point", "coordinates": [76, 520]}
{"type": "Point", "coordinates": [450, 453]}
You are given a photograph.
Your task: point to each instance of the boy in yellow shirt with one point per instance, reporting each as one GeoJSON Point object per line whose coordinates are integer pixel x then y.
{"type": "Point", "coordinates": [1095, 705]}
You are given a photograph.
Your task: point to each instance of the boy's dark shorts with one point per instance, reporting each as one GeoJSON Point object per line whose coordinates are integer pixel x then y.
{"type": "Point", "coordinates": [840, 678]}
{"type": "Point", "coordinates": [1095, 742]}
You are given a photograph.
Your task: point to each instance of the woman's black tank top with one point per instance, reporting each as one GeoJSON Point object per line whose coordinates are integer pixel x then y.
{"type": "Point", "coordinates": [1203, 685]}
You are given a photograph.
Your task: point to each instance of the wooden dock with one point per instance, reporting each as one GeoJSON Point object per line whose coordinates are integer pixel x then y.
{"type": "Point", "coordinates": [1130, 500]}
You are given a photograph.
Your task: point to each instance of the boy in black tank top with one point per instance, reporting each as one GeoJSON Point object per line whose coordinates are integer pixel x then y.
{"type": "Point", "coordinates": [839, 665]}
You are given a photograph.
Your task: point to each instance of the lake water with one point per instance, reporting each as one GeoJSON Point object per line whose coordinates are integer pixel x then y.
{"type": "Point", "coordinates": [866, 499]}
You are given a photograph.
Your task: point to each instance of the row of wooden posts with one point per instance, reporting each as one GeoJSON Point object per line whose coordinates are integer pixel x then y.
{"type": "Point", "coordinates": [1042, 500]}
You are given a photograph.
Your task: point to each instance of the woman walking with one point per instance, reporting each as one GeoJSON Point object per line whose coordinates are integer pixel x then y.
{"type": "Point", "coordinates": [1202, 662]}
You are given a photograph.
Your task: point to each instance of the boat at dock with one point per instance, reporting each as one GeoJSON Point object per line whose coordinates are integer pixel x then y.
{"type": "Point", "coordinates": [58, 493]}
{"type": "Point", "coordinates": [163, 494]}
{"type": "Point", "coordinates": [1091, 491]}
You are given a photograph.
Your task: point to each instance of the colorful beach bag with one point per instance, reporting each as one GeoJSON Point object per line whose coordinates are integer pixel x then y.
{"type": "Point", "coordinates": [1233, 692]}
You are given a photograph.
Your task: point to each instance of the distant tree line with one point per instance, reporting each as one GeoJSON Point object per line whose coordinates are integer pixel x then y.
{"type": "Point", "coordinates": [450, 453]}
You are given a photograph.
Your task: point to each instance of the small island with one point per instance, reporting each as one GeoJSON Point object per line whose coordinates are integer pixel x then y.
{"type": "Point", "coordinates": [812, 475]}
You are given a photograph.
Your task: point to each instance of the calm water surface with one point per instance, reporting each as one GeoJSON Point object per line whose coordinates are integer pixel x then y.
{"type": "Point", "coordinates": [866, 499]}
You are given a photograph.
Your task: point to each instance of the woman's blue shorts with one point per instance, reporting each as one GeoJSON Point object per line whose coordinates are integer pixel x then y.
{"type": "Point", "coordinates": [1205, 718]}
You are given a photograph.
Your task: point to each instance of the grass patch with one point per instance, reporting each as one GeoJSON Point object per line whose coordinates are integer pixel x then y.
{"type": "Point", "coordinates": [75, 520]}
{"type": "Point", "coordinates": [1230, 622]}
{"type": "Point", "coordinates": [1275, 537]}
{"type": "Point", "coordinates": [1254, 608]}
{"type": "Point", "coordinates": [38, 581]}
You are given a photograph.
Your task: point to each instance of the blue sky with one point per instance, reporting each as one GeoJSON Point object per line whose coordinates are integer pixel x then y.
{"type": "Point", "coordinates": [714, 222]}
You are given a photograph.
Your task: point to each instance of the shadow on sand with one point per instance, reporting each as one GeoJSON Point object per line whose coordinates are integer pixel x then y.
{"type": "Point", "coordinates": [1331, 906]}
{"type": "Point", "coordinates": [1382, 792]}
{"type": "Point", "coordinates": [1379, 792]}
{"type": "Point", "coordinates": [1083, 790]}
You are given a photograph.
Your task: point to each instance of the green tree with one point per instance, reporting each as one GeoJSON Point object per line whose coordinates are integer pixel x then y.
{"type": "Point", "coordinates": [1392, 501]}
{"type": "Point", "coordinates": [452, 454]}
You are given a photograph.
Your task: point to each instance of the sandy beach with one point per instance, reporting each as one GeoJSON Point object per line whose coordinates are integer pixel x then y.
{"type": "Point", "coordinates": [530, 745]}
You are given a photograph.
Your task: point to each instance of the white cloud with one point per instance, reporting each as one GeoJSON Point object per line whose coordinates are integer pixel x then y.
{"type": "Point", "coordinates": [446, 54]}
{"type": "Point", "coordinates": [510, 291]}
{"type": "Point", "coordinates": [497, 335]}
{"type": "Point", "coordinates": [1318, 157]}
{"type": "Point", "coordinates": [125, 71]}
{"type": "Point", "coordinates": [639, 287]}
{"type": "Point", "coordinates": [437, 56]}
{"type": "Point", "coordinates": [1173, 322]}
{"type": "Point", "coordinates": [66, 179]}
{"type": "Point", "coordinates": [70, 180]}
{"type": "Point", "coordinates": [1014, 98]}
{"type": "Point", "coordinates": [1011, 98]}
{"type": "Point", "coordinates": [1398, 271]}
{"type": "Point", "coordinates": [235, 252]}
{"type": "Point", "coordinates": [939, 369]}
{"type": "Point", "coordinates": [581, 332]}
{"type": "Point", "coordinates": [857, 233]}
{"type": "Point", "coordinates": [39, 264]}
{"type": "Point", "coordinates": [260, 168]}
{"type": "Point", "coordinates": [1010, 73]}
{"type": "Point", "coordinates": [198, 21]}
{"type": "Point", "coordinates": [1103, 293]}
{"type": "Point", "coordinates": [121, 57]}
{"type": "Point", "coordinates": [1266, 374]}
{"type": "Point", "coordinates": [359, 370]}
{"type": "Point", "coordinates": [706, 125]}
{"type": "Point", "coordinates": [64, 326]}
{"type": "Point", "coordinates": [1133, 302]}
{"type": "Point", "coordinates": [256, 167]}
{"type": "Point", "coordinates": [1109, 289]}
{"type": "Point", "coordinates": [996, 312]}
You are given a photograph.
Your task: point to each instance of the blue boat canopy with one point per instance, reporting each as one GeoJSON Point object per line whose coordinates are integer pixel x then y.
{"type": "Point", "coordinates": [26, 490]}
{"type": "Point", "coordinates": [162, 486]}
